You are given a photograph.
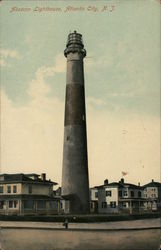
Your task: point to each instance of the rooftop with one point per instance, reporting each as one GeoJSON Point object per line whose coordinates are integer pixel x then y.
{"type": "Point", "coordinates": [152, 184]}
{"type": "Point", "coordinates": [19, 177]}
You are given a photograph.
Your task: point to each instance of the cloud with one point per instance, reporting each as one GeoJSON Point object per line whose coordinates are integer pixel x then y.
{"type": "Point", "coordinates": [37, 87]}
{"type": "Point", "coordinates": [2, 62]}
{"type": "Point", "coordinates": [5, 54]}
{"type": "Point", "coordinates": [59, 67]}
{"type": "Point", "coordinates": [95, 101]}
{"type": "Point", "coordinates": [9, 53]}
{"type": "Point", "coordinates": [32, 135]}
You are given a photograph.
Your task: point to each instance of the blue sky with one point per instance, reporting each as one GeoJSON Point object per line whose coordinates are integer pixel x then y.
{"type": "Point", "coordinates": [122, 80]}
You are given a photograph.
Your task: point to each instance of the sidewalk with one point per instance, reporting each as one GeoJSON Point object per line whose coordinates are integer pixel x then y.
{"type": "Point", "coordinates": [117, 225]}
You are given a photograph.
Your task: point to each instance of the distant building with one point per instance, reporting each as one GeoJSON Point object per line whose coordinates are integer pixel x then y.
{"type": "Point", "coordinates": [116, 197]}
{"type": "Point", "coordinates": [27, 194]}
{"type": "Point", "coordinates": [152, 194]}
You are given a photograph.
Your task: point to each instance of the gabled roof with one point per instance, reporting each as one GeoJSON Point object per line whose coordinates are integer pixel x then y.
{"type": "Point", "coordinates": [152, 184]}
{"type": "Point", "coordinates": [9, 178]}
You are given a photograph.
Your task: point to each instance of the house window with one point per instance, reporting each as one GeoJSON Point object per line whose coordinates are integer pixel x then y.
{"type": "Point", "coordinates": [53, 205]}
{"type": "Point", "coordinates": [104, 204]}
{"type": "Point", "coordinates": [68, 138]}
{"type": "Point", "coordinates": [113, 204]}
{"type": "Point", "coordinates": [1, 189]}
{"type": "Point", "coordinates": [108, 193]}
{"type": "Point", "coordinates": [139, 194]}
{"type": "Point", "coordinates": [41, 204]}
{"type": "Point", "coordinates": [2, 178]}
{"type": "Point", "coordinates": [13, 204]}
{"type": "Point", "coordinates": [120, 193]}
{"type": "Point", "coordinates": [125, 193]}
{"type": "Point", "coordinates": [28, 204]}
{"type": "Point", "coordinates": [91, 205]}
{"type": "Point", "coordinates": [132, 193]}
{"type": "Point", "coordinates": [9, 189]}
{"type": "Point", "coordinates": [1, 204]}
{"type": "Point", "coordinates": [14, 189]}
{"type": "Point", "coordinates": [124, 204]}
{"type": "Point", "coordinates": [96, 194]}
{"type": "Point", "coordinates": [30, 189]}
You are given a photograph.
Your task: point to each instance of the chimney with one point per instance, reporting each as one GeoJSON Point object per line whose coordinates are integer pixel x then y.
{"type": "Point", "coordinates": [139, 184]}
{"type": "Point", "coordinates": [106, 182]}
{"type": "Point", "coordinates": [43, 177]}
{"type": "Point", "coordinates": [152, 180]}
{"type": "Point", "coordinates": [122, 180]}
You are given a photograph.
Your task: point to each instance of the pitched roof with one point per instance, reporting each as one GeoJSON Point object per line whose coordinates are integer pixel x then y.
{"type": "Point", "coordinates": [152, 184]}
{"type": "Point", "coordinates": [8, 178]}
{"type": "Point", "coordinates": [119, 185]}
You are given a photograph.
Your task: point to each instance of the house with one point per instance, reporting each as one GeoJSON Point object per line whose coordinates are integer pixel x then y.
{"type": "Point", "coordinates": [116, 197]}
{"type": "Point", "coordinates": [131, 197]}
{"type": "Point", "coordinates": [104, 198]}
{"type": "Point", "coordinates": [152, 194]}
{"type": "Point", "coordinates": [108, 201]}
{"type": "Point", "coordinates": [27, 194]}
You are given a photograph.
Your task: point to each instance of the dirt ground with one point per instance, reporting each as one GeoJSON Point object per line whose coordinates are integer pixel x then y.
{"type": "Point", "coordinates": [110, 236]}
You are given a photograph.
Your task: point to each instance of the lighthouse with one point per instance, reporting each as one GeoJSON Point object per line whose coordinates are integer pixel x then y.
{"type": "Point", "coordinates": [75, 183]}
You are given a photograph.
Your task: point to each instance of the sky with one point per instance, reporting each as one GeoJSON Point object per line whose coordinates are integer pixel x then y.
{"type": "Point", "coordinates": [122, 85]}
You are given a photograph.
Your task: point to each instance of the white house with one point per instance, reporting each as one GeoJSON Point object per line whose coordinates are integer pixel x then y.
{"type": "Point", "coordinates": [117, 197]}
